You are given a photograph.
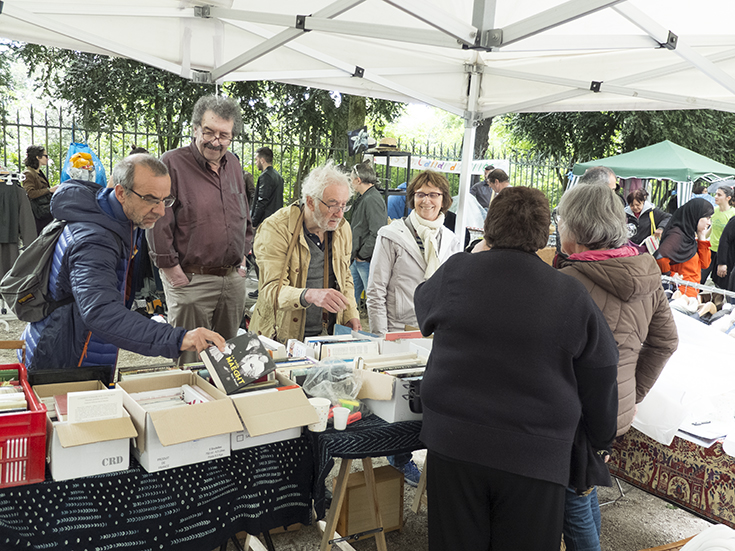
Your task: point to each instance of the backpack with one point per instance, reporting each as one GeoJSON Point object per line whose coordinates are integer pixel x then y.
{"type": "Point", "coordinates": [25, 286]}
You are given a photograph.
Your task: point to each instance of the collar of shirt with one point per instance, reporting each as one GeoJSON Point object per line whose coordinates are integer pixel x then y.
{"type": "Point", "coordinates": [314, 237]}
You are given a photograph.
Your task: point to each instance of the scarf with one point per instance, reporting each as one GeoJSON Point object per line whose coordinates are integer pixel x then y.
{"type": "Point", "coordinates": [679, 240]}
{"type": "Point", "coordinates": [427, 232]}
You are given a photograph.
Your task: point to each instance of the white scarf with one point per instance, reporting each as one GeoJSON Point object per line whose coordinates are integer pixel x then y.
{"type": "Point", "coordinates": [428, 231]}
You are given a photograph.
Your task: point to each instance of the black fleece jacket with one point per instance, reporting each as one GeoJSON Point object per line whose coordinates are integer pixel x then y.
{"type": "Point", "coordinates": [520, 353]}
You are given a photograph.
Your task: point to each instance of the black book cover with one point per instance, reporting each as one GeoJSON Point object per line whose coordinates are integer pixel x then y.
{"type": "Point", "coordinates": [245, 359]}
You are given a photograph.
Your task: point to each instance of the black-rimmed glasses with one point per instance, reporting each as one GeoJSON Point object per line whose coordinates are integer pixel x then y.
{"type": "Point", "coordinates": [210, 136]}
{"type": "Point", "coordinates": [154, 201]}
{"type": "Point", "coordinates": [334, 209]}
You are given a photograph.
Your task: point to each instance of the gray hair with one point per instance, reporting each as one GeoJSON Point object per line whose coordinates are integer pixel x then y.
{"type": "Point", "coordinates": [320, 178]}
{"type": "Point", "coordinates": [224, 108]}
{"type": "Point", "coordinates": [124, 171]}
{"type": "Point", "coordinates": [366, 172]}
{"type": "Point", "coordinates": [593, 217]}
{"type": "Point", "coordinates": [597, 175]}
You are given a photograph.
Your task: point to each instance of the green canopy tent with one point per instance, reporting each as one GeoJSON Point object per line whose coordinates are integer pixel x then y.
{"type": "Point", "coordinates": [662, 161]}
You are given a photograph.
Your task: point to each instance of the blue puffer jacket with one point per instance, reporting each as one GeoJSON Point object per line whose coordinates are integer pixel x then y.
{"type": "Point", "coordinates": [91, 262]}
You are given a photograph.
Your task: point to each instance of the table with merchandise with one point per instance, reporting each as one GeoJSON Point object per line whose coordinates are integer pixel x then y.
{"type": "Point", "coordinates": [194, 507]}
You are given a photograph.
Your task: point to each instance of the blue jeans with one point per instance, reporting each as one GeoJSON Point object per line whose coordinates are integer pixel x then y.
{"type": "Point", "coordinates": [582, 521]}
{"type": "Point", "coordinates": [360, 273]}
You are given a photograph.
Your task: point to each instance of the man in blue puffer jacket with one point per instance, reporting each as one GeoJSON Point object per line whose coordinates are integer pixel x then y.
{"type": "Point", "coordinates": [91, 262]}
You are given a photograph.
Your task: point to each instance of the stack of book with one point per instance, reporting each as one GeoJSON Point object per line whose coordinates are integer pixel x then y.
{"type": "Point", "coordinates": [12, 399]}
{"type": "Point", "coordinates": [342, 346]}
{"type": "Point", "coordinates": [397, 365]}
{"type": "Point", "coordinates": [154, 400]}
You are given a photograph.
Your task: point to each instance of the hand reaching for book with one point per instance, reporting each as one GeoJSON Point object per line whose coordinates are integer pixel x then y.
{"type": "Point", "coordinates": [200, 339]}
{"type": "Point", "coordinates": [330, 299]}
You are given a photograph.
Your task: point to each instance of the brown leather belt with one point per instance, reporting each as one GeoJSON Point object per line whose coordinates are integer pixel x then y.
{"type": "Point", "coordinates": [208, 270]}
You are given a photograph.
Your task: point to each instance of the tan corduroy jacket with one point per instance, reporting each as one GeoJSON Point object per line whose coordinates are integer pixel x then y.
{"type": "Point", "coordinates": [628, 291]}
{"type": "Point", "coordinates": [271, 246]}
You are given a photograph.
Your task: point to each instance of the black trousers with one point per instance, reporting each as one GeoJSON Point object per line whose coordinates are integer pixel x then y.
{"type": "Point", "coordinates": [712, 267]}
{"type": "Point", "coordinates": [476, 508]}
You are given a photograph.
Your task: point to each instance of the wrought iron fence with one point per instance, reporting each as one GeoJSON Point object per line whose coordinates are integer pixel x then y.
{"type": "Point", "coordinates": [55, 130]}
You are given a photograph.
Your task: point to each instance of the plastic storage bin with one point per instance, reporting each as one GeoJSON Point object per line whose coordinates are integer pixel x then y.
{"type": "Point", "coordinates": [23, 439]}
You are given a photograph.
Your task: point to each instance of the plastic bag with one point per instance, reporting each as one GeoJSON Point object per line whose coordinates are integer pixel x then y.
{"type": "Point", "coordinates": [333, 380]}
{"type": "Point", "coordinates": [82, 164]}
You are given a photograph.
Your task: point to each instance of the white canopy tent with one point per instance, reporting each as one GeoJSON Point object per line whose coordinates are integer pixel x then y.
{"type": "Point", "coordinates": [473, 58]}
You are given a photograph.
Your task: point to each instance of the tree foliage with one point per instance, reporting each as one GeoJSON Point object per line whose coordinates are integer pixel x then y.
{"type": "Point", "coordinates": [581, 137]}
{"type": "Point", "coordinates": [104, 91]}
{"type": "Point", "coordinates": [6, 78]}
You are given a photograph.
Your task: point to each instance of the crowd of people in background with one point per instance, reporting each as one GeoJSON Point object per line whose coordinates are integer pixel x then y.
{"type": "Point", "coordinates": [500, 381]}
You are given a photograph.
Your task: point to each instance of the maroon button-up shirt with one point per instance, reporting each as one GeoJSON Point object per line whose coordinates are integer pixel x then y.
{"type": "Point", "coordinates": [209, 224]}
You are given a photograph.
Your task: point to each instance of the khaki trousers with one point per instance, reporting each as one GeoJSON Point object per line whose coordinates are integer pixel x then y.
{"type": "Point", "coordinates": [213, 302]}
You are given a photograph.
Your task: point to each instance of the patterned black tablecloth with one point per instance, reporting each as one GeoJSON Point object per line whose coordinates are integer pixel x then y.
{"type": "Point", "coordinates": [196, 507]}
{"type": "Point", "coordinates": [369, 437]}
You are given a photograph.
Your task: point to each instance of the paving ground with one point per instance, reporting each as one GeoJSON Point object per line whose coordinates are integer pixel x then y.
{"type": "Point", "coordinates": [634, 522]}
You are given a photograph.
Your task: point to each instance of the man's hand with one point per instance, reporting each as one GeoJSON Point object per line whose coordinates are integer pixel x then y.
{"type": "Point", "coordinates": [355, 324]}
{"type": "Point", "coordinates": [242, 270]}
{"type": "Point", "coordinates": [175, 276]}
{"type": "Point", "coordinates": [330, 299]}
{"type": "Point", "coordinates": [200, 339]}
{"type": "Point", "coordinates": [722, 270]}
{"type": "Point", "coordinates": [658, 233]}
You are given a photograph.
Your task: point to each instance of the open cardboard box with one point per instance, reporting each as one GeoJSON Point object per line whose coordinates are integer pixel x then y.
{"type": "Point", "coordinates": [387, 397]}
{"type": "Point", "coordinates": [181, 435]}
{"type": "Point", "coordinates": [74, 450]}
{"type": "Point", "coordinates": [271, 416]}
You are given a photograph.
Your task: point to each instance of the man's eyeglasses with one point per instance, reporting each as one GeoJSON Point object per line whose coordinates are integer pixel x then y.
{"type": "Point", "coordinates": [210, 136]}
{"type": "Point", "coordinates": [44, 155]}
{"type": "Point", "coordinates": [433, 195]}
{"type": "Point", "coordinates": [334, 209]}
{"type": "Point", "coordinates": [154, 201]}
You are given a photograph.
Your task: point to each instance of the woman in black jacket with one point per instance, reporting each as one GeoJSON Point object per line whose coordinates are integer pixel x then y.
{"type": "Point", "coordinates": [722, 275]}
{"type": "Point", "coordinates": [521, 356]}
{"type": "Point", "coordinates": [644, 218]}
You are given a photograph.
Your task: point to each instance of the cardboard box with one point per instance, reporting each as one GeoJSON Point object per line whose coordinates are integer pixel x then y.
{"type": "Point", "coordinates": [355, 515]}
{"type": "Point", "coordinates": [182, 435]}
{"type": "Point", "coordinates": [74, 450]}
{"type": "Point", "coordinates": [387, 397]}
{"type": "Point", "coordinates": [272, 416]}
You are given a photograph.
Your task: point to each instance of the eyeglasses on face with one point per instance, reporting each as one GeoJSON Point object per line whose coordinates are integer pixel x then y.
{"type": "Point", "coordinates": [154, 201]}
{"type": "Point", "coordinates": [43, 155]}
{"type": "Point", "coordinates": [433, 195]}
{"type": "Point", "coordinates": [210, 136]}
{"type": "Point", "coordinates": [334, 209]}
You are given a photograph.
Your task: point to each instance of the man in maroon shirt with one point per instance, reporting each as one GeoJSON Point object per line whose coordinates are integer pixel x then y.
{"type": "Point", "coordinates": [200, 244]}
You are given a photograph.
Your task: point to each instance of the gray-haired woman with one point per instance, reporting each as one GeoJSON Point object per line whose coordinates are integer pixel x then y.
{"type": "Point", "coordinates": [627, 288]}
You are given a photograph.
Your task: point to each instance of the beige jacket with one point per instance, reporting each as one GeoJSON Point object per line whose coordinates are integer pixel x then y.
{"type": "Point", "coordinates": [628, 291]}
{"type": "Point", "coordinates": [271, 245]}
{"type": "Point", "coordinates": [396, 269]}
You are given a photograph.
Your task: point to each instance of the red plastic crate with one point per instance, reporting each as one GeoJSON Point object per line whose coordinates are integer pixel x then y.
{"type": "Point", "coordinates": [23, 439]}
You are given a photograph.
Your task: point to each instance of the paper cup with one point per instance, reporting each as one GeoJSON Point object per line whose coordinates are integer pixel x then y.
{"type": "Point", "coordinates": [340, 418]}
{"type": "Point", "coordinates": [321, 405]}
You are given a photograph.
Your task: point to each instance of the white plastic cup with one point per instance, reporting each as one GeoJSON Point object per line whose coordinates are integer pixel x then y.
{"type": "Point", "coordinates": [340, 417]}
{"type": "Point", "coordinates": [321, 405]}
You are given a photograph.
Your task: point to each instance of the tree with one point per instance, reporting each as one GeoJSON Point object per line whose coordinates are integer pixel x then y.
{"type": "Point", "coordinates": [104, 91]}
{"type": "Point", "coordinates": [580, 136]}
{"type": "Point", "coordinates": [6, 79]}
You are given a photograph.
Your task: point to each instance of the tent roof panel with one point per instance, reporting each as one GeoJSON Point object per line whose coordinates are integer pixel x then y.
{"type": "Point", "coordinates": [665, 160]}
